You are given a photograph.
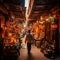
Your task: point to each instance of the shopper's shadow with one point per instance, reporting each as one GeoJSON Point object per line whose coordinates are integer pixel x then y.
{"type": "Point", "coordinates": [30, 57]}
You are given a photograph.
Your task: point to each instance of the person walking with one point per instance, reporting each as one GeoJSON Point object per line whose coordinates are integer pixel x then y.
{"type": "Point", "coordinates": [29, 39]}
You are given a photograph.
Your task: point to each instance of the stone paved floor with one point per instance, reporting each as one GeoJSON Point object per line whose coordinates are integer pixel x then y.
{"type": "Point", "coordinates": [35, 54]}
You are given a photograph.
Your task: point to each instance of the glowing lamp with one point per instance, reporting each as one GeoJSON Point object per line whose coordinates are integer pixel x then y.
{"type": "Point", "coordinates": [47, 20]}
{"type": "Point", "coordinates": [41, 18]}
{"type": "Point", "coordinates": [9, 34]}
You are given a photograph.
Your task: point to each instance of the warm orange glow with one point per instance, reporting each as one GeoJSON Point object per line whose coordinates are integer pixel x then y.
{"type": "Point", "coordinates": [54, 16]}
{"type": "Point", "coordinates": [41, 18]}
{"type": "Point", "coordinates": [9, 34]}
{"type": "Point", "coordinates": [47, 19]}
{"type": "Point", "coordinates": [13, 40]}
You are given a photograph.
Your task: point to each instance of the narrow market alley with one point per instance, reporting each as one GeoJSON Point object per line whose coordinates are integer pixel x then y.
{"type": "Point", "coordinates": [29, 25]}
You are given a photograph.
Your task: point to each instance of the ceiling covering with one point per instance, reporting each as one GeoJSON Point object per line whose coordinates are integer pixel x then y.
{"type": "Point", "coordinates": [15, 7]}
{"type": "Point", "coordinates": [40, 7]}
{"type": "Point", "coordinates": [16, 2]}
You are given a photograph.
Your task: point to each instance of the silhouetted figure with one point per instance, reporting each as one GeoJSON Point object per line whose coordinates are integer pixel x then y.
{"type": "Point", "coordinates": [29, 39]}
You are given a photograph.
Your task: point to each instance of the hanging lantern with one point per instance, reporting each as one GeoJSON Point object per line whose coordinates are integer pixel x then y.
{"type": "Point", "coordinates": [9, 34]}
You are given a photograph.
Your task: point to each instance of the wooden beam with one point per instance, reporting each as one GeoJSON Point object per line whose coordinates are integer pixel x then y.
{"type": "Point", "coordinates": [15, 11]}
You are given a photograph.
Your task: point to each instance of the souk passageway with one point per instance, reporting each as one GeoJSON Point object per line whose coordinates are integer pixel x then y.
{"type": "Point", "coordinates": [41, 17]}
